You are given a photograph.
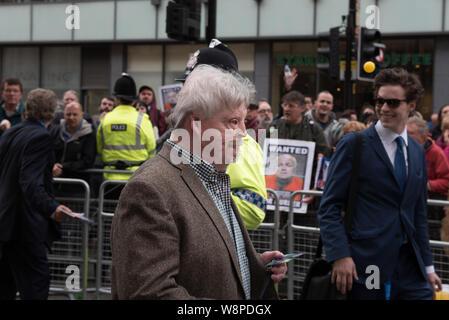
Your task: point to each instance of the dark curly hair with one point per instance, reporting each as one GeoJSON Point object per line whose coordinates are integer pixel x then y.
{"type": "Point", "coordinates": [41, 105]}
{"type": "Point", "coordinates": [398, 76]}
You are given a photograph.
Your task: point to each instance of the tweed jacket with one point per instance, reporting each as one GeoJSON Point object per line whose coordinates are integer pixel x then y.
{"type": "Point", "coordinates": [169, 240]}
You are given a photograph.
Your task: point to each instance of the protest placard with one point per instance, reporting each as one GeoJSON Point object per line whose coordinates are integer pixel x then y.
{"type": "Point", "coordinates": [169, 96]}
{"type": "Point", "coordinates": [288, 168]}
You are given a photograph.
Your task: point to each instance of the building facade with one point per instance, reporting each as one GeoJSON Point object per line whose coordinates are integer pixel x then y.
{"type": "Point", "coordinates": [85, 45]}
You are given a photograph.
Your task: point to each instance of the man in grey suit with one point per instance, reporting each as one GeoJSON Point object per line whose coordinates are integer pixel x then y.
{"type": "Point", "coordinates": [176, 233]}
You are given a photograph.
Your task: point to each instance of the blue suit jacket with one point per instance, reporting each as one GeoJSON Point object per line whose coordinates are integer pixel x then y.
{"type": "Point", "coordinates": [382, 213]}
{"type": "Point", "coordinates": [26, 200]}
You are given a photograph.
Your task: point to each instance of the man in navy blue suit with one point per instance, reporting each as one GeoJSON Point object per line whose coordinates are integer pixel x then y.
{"type": "Point", "coordinates": [28, 211]}
{"type": "Point", "coordinates": [387, 253]}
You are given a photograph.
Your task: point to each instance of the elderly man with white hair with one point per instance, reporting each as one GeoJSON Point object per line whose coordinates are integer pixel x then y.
{"type": "Point", "coordinates": [176, 233]}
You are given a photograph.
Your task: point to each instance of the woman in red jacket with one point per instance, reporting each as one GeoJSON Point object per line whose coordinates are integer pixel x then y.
{"type": "Point", "coordinates": [437, 173]}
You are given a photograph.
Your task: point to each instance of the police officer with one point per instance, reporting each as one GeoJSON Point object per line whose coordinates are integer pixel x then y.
{"type": "Point", "coordinates": [125, 137]}
{"type": "Point", "coordinates": [248, 183]}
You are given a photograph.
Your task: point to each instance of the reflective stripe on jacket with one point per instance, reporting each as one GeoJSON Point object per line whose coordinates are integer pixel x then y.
{"type": "Point", "coordinates": [248, 183]}
{"type": "Point", "coordinates": [125, 135]}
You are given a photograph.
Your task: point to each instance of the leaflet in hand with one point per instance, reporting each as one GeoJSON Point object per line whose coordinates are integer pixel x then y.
{"type": "Point", "coordinates": [285, 259]}
{"type": "Point", "coordinates": [78, 216]}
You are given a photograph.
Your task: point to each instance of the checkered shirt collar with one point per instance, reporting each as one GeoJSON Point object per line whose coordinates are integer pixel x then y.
{"type": "Point", "coordinates": [205, 170]}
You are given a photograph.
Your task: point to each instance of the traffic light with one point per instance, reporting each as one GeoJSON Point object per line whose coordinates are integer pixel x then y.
{"type": "Point", "coordinates": [183, 20]}
{"type": "Point", "coordinates": [369, 53]}
{"type": "Point", "coordinates": [328, 57]}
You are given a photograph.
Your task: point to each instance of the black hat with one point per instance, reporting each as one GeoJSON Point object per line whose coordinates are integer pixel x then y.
{"type": "Point", "coordinates": [217, 54]}
{"type": "Point", "coordinates": [145, 87]}
{"type": "Point", "coordinates": [125, 87]}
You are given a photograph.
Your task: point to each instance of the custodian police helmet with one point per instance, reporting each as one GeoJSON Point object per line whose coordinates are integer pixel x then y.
{"type": "Point", "coordinates": [217, 54]}
{"type": "Point", "coordinates": [125, 87]}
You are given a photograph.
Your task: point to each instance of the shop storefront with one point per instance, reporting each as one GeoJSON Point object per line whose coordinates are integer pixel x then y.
{"type": "Point", "coordinates": [416, 55]}
{"type": "Point", "coordinates": [157, 65]}
{"type": "Point", "coordinates": [87, 68]}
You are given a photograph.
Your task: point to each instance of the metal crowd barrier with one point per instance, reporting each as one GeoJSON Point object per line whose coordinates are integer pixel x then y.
{"type": "Point", "coordinates": [305, 239]}
{"type": "Point", "coordinates": [299, 239]}
{"type": "Point", "coordinates": [68, 258]}
{"type": "Point", "coordinates": [74, 247]}
{"type": "Point", "coordinates": [104, 254]}
{"type": "Point", "coordinates": [130, 172]}
{"type": "Point", "coordinates": [440, 249]}
{"type": "Point", "coordinates": [266, 236]}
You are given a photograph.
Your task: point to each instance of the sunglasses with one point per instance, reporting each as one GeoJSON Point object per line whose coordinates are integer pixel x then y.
{"type": "Point", "coordinates": [392, 103]}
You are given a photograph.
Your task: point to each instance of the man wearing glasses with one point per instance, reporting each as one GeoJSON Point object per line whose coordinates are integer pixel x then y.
{"type": "Point", "coordinates": [11, 108]}
{"type": "Point", "coordinates": [264, 114]}
{"type": "Point", "coordinates": [389, 231]}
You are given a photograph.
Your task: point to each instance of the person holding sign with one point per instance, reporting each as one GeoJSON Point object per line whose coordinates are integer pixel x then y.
{"type": "Point", "coordinates": [294, 125]}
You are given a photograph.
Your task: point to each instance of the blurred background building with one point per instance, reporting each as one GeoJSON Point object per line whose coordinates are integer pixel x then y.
{"type": "Point", "coordinates": [129, 35]}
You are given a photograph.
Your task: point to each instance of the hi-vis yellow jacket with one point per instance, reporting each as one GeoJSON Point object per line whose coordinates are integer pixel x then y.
{"type": "Point", "coordinates": [125, 139]}
{"type": "Point", "coordinates": [248, 183]}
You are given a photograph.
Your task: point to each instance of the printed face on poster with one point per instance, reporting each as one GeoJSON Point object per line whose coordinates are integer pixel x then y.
{"type": "Point", "coordinates": [169, 96]}
{"type": "Point", "coordinates": [288, 168]}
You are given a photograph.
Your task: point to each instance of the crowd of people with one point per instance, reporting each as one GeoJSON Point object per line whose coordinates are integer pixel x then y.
{"type": "Point", "coordinates": [170, 216]}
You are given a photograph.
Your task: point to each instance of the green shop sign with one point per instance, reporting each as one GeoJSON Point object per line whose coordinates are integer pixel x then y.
{"type": "Point", "coordinates": [393, 59]}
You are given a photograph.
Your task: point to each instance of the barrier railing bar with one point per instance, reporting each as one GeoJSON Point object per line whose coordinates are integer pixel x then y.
{"type": "Point", "coordinates": [85, 228]}
{"type": "Point", "coordinates": [290, 271]}
{"type": "Point", "coordinates": [107, 171]}
{"type": "Point", "coordinates": [441, 244]}
{"type": "Point", "coordinates": [275, 224]}
{"type": "Point", "coordinates": [439, 203]}
{"type": "Point", "coordinates": [101, 214]}
{"type": "Point", "coordinates": [433, 202]}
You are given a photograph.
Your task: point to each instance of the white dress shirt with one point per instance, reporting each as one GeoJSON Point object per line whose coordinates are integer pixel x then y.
{"type": "Point", "coordinates": [388, 140]}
